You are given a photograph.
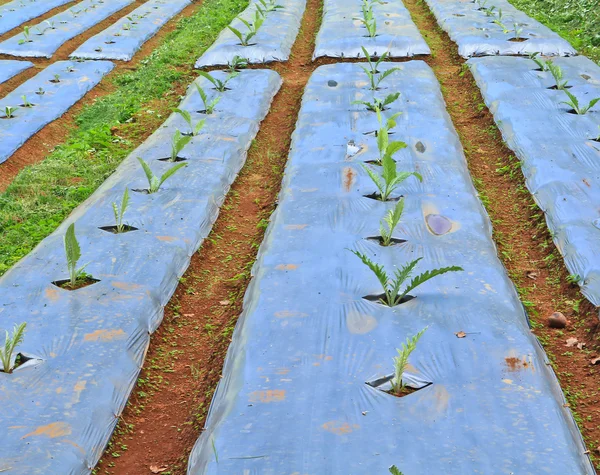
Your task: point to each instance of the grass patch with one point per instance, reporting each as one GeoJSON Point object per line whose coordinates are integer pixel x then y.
{"type": "Point", "coordinates": [42, 195]}
{"type": "Point", "coordinates": [578, 21]}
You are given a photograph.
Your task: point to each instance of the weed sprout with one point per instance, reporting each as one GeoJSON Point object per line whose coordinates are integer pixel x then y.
{"type": "Point", "coordinates": [10, 343]}
{"type": "Point", "coordinates": [391, 286]}
{"type": "Point", "coordinates": [154, 182]}
{"type": "Point", "coordinates": [401, 362]}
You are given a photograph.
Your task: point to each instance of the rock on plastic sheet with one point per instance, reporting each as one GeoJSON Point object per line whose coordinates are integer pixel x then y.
{"type": "Point", "coordinates": [46, 37]}
{"type": "Point", "coordinates": [90, 343]}
{"type": "Point", "coordinates": [49, 99]}
{"type": "Point", "coordinates": [17, 12]}
{"type": "Point", "coordinates": [476, 34]}
{"type": "Point", "coordinates": [559, 151]}
{"type": "Point", "coordinates": [272, 42]}
{"type": "Point", "coordinates": [123, 39]}
{"type": "Point", "coordinates": [293, 397]}
{"type": "Point", "coordinates": [342, 35]}
{"type": "Point", "coordinates": [10, 68]}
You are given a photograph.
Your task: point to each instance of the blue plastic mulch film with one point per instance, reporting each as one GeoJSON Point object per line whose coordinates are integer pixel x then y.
{"type": "Point", "coordinates": [342, 33]}
{"type": "Point", "coordinates": [43, 39]}
{"type": "Point", "coordinates": [495, 27]}
{"type": "Point", "coordinates": [559, 150]}
{"type": "Point", "coordinates": [17, 12]}
{"type": "Point", "coordinates": [87, 346]}
{"type": "Point", "coordinates": [294, 398]}
{"type": "Point", "coordinates": [48, 95]}
{"type": "Point", "coordinates": [272, 42]}
{"type": "Point", "coordinates": [10, 68]}
{"type": "Point", "coordinates": [123, 39]}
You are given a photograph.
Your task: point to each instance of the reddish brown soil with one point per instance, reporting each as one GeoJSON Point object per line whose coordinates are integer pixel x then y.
{"type": "Point", "coordinates": [39, 146]}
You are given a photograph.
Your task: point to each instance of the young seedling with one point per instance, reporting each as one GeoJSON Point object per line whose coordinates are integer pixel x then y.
{"type": "Point", "coordinates": [9, 112]}
{"type": "Point", "coordinates": [178, 142]}
{"type": "Point", "coordinates": [391, 286]}
{"type": "Point", "coordinates": [73, 253]}
{"type": "Point", "coordinates": [518, 30]}
{"type": "Point", "coordinates": [390, 178]}
{"type": "Point", "coordinates": [557, 74]}
{"type": "Point", "coordinates": [70, 69]}
{"type": "Point", "coordinates": [10, 343]}
{"type": "Point", "coordinates": [119, 212]}
{"type": "Point", "coordinates": [26, 103]}
{"type": "Point", "coordinates": [379, 104]}
{"type": "Point", "coordinates": [503, 26]}
{"type": "Point", "coordinates": [209, 106]}
{"type": "Point", "coordinates": [252, 28]}
{"type": "Point", "coordinates": [384, 145]}
{"type": "Point", "coordinates": [373, 73]}
{"type": "Point", "coordinates": [40, 92]}
{"type": "Point", "coordinates": [237, 63]}
{"type": "Point", "coordinates": [401, 362]}
{"type": "Point", "coordinates": [26, 36]}
{"type": "Point", "coordinates": [220, 86]}
{"type": "Point", "coordinates": [389, 223]}
{"type": "Point", "coordinates": [368, 19]}
{"type": "Point", "coordinates": [395, 471]}
{"type": "Point", "coordinates": [573, 102]}
{"type": "Point", "coordinates": [56, 78]}
{"type": "Point", "coordinates": [154, 182]}
{"type": "Point", "coordinates": [194, 129]}
{"type": "Point", "coordinates": [543, 65]}
{"type": "Point", "coordinates": [270, 6]}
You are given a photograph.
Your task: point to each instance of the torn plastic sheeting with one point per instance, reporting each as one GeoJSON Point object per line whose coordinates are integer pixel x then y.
{"type": "Point", "coordinates": [476, 34]}
{"type": "Point", "coordinates": [59, 414]}
{"type": "Point", "coordinates": [123, 39]}
{"type": "Point", "coordinates": [10, 68]}
{"type": "Point", "coordinates": [17, 12]}
{"type": "Point", "coordinates": [293, 396]}
{"type": "Point", "coordinates": [46, 37]}
{"type": "Point", "coordinates": [559, 156]}
{"type": "Point", "coordinates": [273, 41]}
{"type": "Point", "coordinates": [50, 99]}
{"type": "Point", "coordinates": [341, 36]}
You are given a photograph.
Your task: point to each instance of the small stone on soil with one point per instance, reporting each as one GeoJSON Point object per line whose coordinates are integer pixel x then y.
{"type": "Point", "coordinates": [557, 320]}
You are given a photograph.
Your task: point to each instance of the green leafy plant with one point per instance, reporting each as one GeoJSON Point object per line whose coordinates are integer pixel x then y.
{"type": "Point", "coordinates": [178, 142]}
{"type": "Point", "coordinates": [9, 112]}
{"type": "Point", "coordinates": [503, 26]}
{"type": "Point", "coordinates": [194, 129]}
{"type": "Point", "coordinates": [401, 361]}
{"type": "Point", "coordinates": [384, 145]}
{"type": "Point", "coordinates": [119, 212]}
{"type": "Point", "coordinates": [557, 74]}
{"type": "Point", "coordinates": [154, 182]}
{"type": "Point", "coordinates": [209, 106]}
{"type": "Point", "coordinates": [252, 28]}
{"type": "Point", "coordinates": [391, 286]}
{"type": "Point", "coordinates": [10, 343]}
{"type": "Point", "coordinates": [73, 253]}
{"type": "Point", "coordinates": [389, 223]}
{"type": "Point", "coordinates": [368, 19]}
{"type": "Point", "coordinates": [395, 471]}
{"type": "Point", "coordinates": [270, 6]}
{"type": "Point", "coordinates": [543, 65]}
{"type": "Point", "coordinates": [390, 178]}
{"type": "Point", "coordinates": [573, 102]}
{"type": "Point", "coordinates": [379, 104]}
{"type": "Point", "coordinates": [40, 92]}
{"type": "Point", "coordinates": [518, 30]}
{"type": "Point", "coordinates": [56, 78]}
{"type": "Point", "coordinates": [237, 63]}
{"type": "Point", "coordinates": [489, 11]}
{"type": "Point", "coordinates": [26, 103]}
{"type": "Point", "coordinates": [26, 36]}
{"type": "Point", "coordinates": [220, 86]}
{"type": "Point", "coordinates": [373, 73]}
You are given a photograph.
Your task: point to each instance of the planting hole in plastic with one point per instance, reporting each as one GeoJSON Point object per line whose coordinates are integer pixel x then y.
{"type": "Point", "coordinates": [114, 229]}
{"type": "Point", "coordinates": [518, 40]}
{"type": "Point", "coordinates": [411, 386]}
{"type": "Point", "coordinates": [177, 159]}
{"type": "Point", "coordinates": [376, 196]}
{"type": "Point", "coordinates": [555, 87]}
{"type": "Point", "coordinates": [379, 240]}
{"type": "Point", "coordinates": [379, 297]}
{"type": "Point", "coordinates": [82, 282]}
{"type": "Point", "coordinates": [23, 361]}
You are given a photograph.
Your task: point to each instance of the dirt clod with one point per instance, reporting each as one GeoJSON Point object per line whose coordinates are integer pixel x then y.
{"type": "Point", "coordinates": [557, 320]}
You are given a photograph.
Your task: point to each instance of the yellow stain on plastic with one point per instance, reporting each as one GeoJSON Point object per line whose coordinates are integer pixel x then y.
{"type": "Point", "coordinates": [53, 430]}
{"type": "Point", "coordinates": [340, 428]}
{"type": "Point", "coordinates": [166, 238]}
{"type": "Point", "coordinates": [52, 294]}
{"type": "Point", "coordinates": [104, 335]}
{"type": "Point", "coordinates": [360, 323]}
{"type": "Point", "coordinates": [348, 178]}
{"type": "Point", "coordinates": [290, 314]}
{"type": "Point", "coordinates": [78, 388]}
{"type": "Point", "coordinates": [126, 285]}
{"type": "Point", "coordinates": [507, 381]}
{"type": "Point", "coordinates": [308, 190]}
{"type": "Point", "coordinates": [286, 267]}
{"type": "Point", "coordinates": [267, 396]}
{"type": "Point", "coordinates": [295, 226]}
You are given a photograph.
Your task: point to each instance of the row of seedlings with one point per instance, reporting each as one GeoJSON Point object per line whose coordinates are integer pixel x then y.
{"type": "Point", "coordinates": [84, 303]}
{"type": "Point", "coordinates": [17, 12]}
{"type": "Point", "coordinates": [495, 27]}
{"type": "Point", "coordinates": [549, 115]}
{"type": "Point", "coordinates": [44, 98]}
{"type": "Point", "coordinates": [349, 335]}
{"type": "Point", "coordinates": [43, 39]}
{"type": "Point", "coordinates": [263, 33]}
{"type": "Point", "coordinates": [124, 38]}
{"type": "Point", "coordinates": [378, 27]}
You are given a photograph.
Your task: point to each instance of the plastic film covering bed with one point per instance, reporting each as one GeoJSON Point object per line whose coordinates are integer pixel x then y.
{"type": "Point", "coordinates": [123, 39]}
{"type": "Point", "coordinates": [17, 12]}
{"type": "Point", "coordinates": [273, 41]}
{"type": "Point", "coordinates": [10, 68]}
{"type": "Point", "coordinates": [559, 151]}
{"type": "Point", "coordinates": [294, 398]}
{"type": "Point", "coordinates": [87, 346]}
{"type": "Point", "coordinates": [342, 36]}
{"type": "Point", "coordinates": [46, 37]}
{"type": "Point", "coordinates": [471, 26]}
{"type": "Point", "coordinates": [51, 93]}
